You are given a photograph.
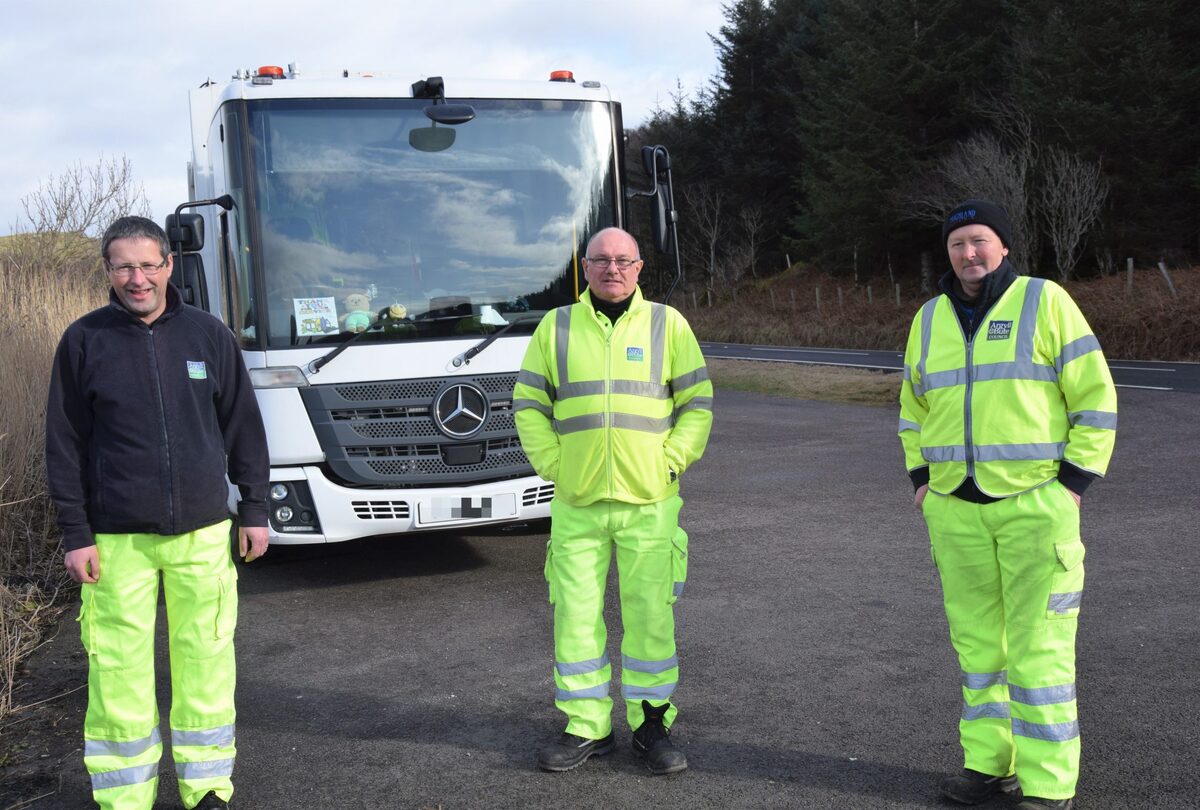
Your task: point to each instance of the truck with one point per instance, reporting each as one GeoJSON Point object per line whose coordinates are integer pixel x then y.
{"type": "Point", "coordinates": [382, 248]}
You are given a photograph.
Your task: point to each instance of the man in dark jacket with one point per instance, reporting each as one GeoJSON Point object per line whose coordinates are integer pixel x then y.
{"type": "Point", "coordinates": [150, 407]}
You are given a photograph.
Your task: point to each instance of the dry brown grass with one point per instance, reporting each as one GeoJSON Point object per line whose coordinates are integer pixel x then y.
{"type": "Point", "coordinates": [36, 304]}
{"type": "Point", "coordinates": [1147, 324]}
{"type": "Point", "coordinates": [855, 386]}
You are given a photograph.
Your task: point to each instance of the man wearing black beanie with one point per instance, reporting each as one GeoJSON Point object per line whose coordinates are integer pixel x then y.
{"type": "Point", "coordinates": [1007, 413]}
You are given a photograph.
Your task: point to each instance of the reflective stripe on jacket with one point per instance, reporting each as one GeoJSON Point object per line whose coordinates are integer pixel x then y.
{"type": "Point", "coordinates": [613, 411]}
{"type": "Point", "coordinates": [1029, 390]}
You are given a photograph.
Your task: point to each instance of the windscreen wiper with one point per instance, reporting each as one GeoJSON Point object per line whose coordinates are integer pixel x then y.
{"type": "Point", "coordinates": [465, 357]}
{"type": "Point", "coordinates": [385, 314]}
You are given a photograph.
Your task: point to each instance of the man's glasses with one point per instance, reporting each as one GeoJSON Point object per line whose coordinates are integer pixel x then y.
{"type": "Point", "coordinates": [602, 262]}
{"type": "Point", "coordinates": [126, 270]}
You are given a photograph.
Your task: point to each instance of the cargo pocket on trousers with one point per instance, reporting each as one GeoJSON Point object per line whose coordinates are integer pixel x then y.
{"type": "Point", "coordinates": [1066, 584]}
{"type": "Point", "coordinates": [102, 646]}
{"type": "Point", "coordinates": [86, 633]}
{"type": "Point", "coordinates": [679, 564]}
{"type": "Point", "coordinates": [548, 573]}
{"type": "Point", "coordinates": [227, 604]}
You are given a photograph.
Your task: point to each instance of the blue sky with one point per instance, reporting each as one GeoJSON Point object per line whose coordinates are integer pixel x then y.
{"type": "Point", "coordinates": [86, 81]}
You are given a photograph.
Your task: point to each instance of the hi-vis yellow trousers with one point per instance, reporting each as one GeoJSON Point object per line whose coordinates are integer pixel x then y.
{"type": "Point", "coordinates": [1012, 580]}
{"type": "Point", "coordinates": [651, 553]}
{"type": "Point", "coordinates": [122, 741]}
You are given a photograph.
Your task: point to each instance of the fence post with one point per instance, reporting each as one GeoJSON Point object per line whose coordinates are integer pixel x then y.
{"type": "Point", "coordinates": [870, 298]}
{"type": "Point", "coordinates": [1129, 276]}
{"type": "Point", "coordinates": [897, 296]}
{"type": "Point", "coordinates": [818, 290]}
{"type": "Point", "coordinates": [839, 297]}
{"type": "Point", "coordinates": [793, 292]}
{"type": "Point", "coordinates": [1162, 266]}
{"type": "Point", "coordinates": [695, 305]}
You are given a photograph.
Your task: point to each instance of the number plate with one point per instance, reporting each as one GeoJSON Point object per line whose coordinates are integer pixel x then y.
{"type": "Point", "coordinates": [458, 509]}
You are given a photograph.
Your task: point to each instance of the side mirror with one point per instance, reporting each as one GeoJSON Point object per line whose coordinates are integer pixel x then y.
{"type": "Point", "coordinates": [657, 163]}
{"type": "Point", "coordinates": [185, 232]}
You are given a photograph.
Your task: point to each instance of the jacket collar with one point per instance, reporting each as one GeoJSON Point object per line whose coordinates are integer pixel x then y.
{"type": "Point", "coordinates": [993, 286]}
{"type": "Point", "coordinates": [174, 306]}
{"type": "Point", "coordinates": [635, 300]}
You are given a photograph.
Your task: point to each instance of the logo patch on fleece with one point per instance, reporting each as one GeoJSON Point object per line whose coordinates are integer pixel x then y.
{"type": "Point", "coordinates": [633, 354]}
{"type": "Point", "coordinates": [999, 330]}
{"type": "Point", "coordinates": [196, 370]}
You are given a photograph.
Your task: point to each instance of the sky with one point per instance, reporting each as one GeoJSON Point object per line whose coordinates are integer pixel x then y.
{"type": "Point", "coordinates": [87, 81]}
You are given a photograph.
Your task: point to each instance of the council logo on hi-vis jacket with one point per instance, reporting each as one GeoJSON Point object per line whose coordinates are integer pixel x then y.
{"type": "Point", "coordinates": [633, 354]}
{"type": "Point", "coordinates": [196, 370]}
{"type": "Point", "coordinates": [999, 330]}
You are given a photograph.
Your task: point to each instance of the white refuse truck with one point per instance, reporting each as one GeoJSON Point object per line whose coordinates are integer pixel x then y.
{"type": "Point", "coordinates": [383, 248]}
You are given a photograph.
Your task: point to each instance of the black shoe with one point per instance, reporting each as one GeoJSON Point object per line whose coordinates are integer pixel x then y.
{"type": "Point", "coordinates": [973, 787]}
{"type": "Point", "coordinates": [571, 751]}
{"type": "Point", "coordinates": [211, 801]}
{"type": "Point", "coordinates": [1034, 803]}
{"type": "Point", "coordinates": [653, 742]}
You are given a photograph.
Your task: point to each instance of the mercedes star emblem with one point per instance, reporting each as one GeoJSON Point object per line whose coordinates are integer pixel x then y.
{"type": "Point", "coordinates": [460, 410]}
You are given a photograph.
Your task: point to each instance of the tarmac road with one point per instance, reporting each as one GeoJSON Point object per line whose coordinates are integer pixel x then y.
{"type": "Point", "coordinates": [414, 672]}
{"type": "Point", "coordinates": [1158, 376]}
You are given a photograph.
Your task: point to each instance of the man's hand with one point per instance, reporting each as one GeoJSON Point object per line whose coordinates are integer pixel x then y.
{"type": "Point", "coordinates": [1075, 495]}
{"type": "Point", "coordinates": [83, 564]}
{"type": "Point", "coordinates": [252, 542]}
{"type": "Point", "coordinates": [919, 495]}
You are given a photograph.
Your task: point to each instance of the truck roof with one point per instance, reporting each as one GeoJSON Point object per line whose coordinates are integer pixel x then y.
{"type": "Point", "coordinates": [347, 84]}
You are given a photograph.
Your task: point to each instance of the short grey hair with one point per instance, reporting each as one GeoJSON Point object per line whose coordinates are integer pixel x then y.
{"type": "Point", "coordinates": [135, 228]}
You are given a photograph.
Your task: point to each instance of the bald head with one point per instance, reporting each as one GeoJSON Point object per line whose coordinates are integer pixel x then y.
{"type": "Point", "coordinates": [607, 251]}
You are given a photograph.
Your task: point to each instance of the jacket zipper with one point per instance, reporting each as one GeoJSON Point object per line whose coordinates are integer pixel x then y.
{"type": "Point", "coordinates": [162, 421]}
{"type": "Point", "coordinates": [608, 406]}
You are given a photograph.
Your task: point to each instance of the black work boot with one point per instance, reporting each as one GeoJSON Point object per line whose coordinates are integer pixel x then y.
{"type": "Point", "coordinates": [1034, 803]}
{"type": "Point", "coordinates": [571, 751]}
{"type": "Point", "coordinates": [973, 787]}
{"type": "Point", "coordinates": [652, 741]}
{"type": "Point", "coordinates": [211, 801]}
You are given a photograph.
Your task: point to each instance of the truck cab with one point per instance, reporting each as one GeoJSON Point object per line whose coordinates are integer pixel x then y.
{"type": "Point", "coordinates": [383, 248]}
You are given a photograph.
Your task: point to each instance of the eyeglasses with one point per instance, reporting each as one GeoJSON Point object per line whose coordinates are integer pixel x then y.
{"type": "Point", "coordinates": [126, 270]}
{"type": "Point", "coordinates": [604, 261]}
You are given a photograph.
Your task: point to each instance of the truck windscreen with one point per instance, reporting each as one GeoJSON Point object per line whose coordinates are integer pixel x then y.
{"type": "Point", "coordinates": [350, 222]}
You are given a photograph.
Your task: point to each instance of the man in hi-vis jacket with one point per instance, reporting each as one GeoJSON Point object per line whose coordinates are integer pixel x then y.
{"type": "Point", "coordinates": [1007, 413]}
{"type": "Point", "coordinates": [613, 405]}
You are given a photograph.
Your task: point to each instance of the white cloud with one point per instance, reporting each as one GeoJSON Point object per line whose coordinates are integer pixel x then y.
{"type": "Point", "coordinates": [88, 79]}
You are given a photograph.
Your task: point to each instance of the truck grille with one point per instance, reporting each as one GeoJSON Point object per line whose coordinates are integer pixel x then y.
{"type": "Point", "coordinates": [386, 434]}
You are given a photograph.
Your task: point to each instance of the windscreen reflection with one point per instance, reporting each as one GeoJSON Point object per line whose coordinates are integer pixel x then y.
{"type": "Point", "coordinates": [360, 230]}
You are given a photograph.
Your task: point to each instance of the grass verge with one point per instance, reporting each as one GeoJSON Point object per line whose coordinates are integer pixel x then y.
{"type": "Point", "coordinates": [828, 383]}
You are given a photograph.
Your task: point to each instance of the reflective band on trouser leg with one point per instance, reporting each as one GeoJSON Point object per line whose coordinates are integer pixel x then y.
{"type": "Point", "coordinates": [1042, 559]}
{"type": "Point", "coordinates": [577, 567]}
{"type": "Point", "coordinates": [200, 583]}
{"type": "Point", "coordinates": [122, 744]}
{"type": "Point", "coordinates": [966, 560]}
{"type": "Point", "coordinates": [646, 566]}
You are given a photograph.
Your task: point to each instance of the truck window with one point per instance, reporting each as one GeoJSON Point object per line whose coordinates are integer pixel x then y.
{"type": "Point", "coordinates": [353, 221]}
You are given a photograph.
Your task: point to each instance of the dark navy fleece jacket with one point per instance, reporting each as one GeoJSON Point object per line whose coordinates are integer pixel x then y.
{"type": "Point", "coordinates": [143, 423]}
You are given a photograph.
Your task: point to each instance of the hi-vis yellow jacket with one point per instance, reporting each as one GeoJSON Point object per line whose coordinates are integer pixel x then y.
{"type": "Point", "coordinates": [613, 412]}
{"type": "Point", "coordinates": [1029, 390]}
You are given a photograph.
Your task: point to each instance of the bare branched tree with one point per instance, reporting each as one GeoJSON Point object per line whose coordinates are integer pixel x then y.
{"type": "Point", "coordinates": [997, 167]}
{"type": "Point", "coordinates": [1072, 195]}
{"type": "Point", "coordinates": [753, 224]}
{"type": "Point", "coordinates": [708, 223]}
{"type": "Point", "coordinates": [68, 210]}
{"type": "Point", "coordinates": [982, 167]}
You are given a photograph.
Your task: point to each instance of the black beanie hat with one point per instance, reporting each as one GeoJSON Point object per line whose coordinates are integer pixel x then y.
{"type": "Point", "coordinates": [981, 212]}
